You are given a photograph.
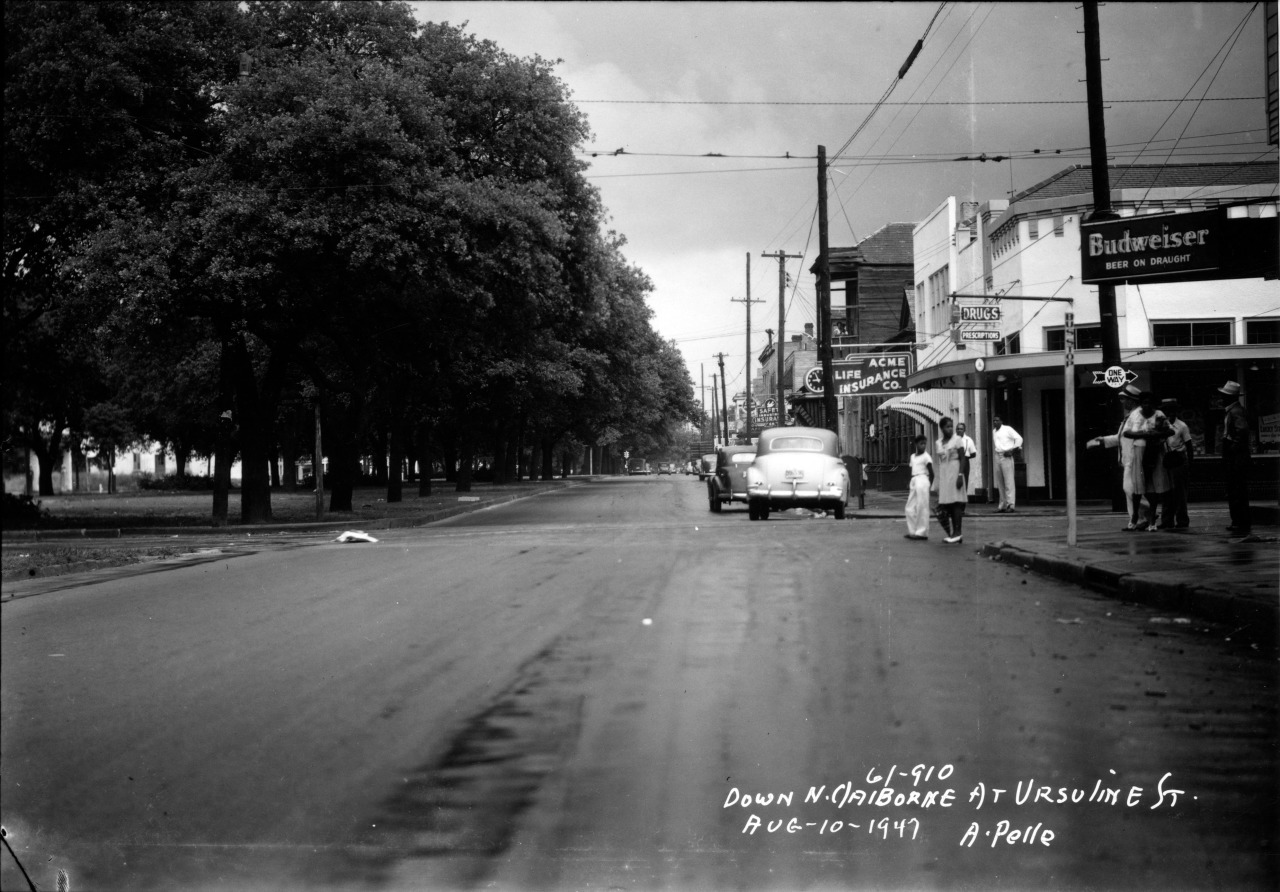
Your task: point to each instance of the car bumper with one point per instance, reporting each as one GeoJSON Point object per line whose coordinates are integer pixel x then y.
{"type": "Point", "coordinates": [799, 493]}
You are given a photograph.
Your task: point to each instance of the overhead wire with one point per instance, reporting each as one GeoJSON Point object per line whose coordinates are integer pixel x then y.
{"type": "Point", "coordinates": [1228, 45]}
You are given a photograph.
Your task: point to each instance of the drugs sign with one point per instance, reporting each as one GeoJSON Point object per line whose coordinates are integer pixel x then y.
{"type": "Point", "coordinates": [881, 374]}
{"type": "Point", "coordinates": [980, 314]}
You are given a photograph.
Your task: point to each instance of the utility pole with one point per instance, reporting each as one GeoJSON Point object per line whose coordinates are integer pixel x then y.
{"type": "Point", "coordinates": [724, 400]}
{"type": "Point", "coordinates": [1110, 329]}
{"type": "Point", "coordinates": [1108, 324]}
{"type": "Point", "coordinates": [829, 406]}
{"type": "Point", "coordinates": [702, 391]}
{"type": "Point", "coordinates": [782, 322]}
{"type": "Point", "coordinates": [714, 411]}
{"type": "Point", "coordinates": [748, 302]}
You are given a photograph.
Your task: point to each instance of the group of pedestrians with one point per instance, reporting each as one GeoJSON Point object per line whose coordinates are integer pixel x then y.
{"type": "Point", "coordinates": [1155, 452]}
{"type": "Point", "coordinates": [954, 449]}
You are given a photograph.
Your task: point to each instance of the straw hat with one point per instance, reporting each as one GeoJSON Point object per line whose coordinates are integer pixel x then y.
{"type": "Point", "coordinates": [1231, 388]}
{"type": "Point", "coordinates": [1130, 391]}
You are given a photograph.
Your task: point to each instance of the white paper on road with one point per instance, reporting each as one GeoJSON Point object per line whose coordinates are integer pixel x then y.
{"type": "Point", "coordinates": [355, 536]}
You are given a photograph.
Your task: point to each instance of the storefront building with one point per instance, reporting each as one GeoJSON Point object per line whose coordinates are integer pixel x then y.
{"type": "Point", "coordinates": [985, 273]}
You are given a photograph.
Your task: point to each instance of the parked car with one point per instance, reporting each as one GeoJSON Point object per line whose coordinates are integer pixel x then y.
{"type": "Point", "coordinates": [664, 467]}
{"type": "Point", "coordinates": [706, 466]}
{"type": "Point", "coordinates": [729, 482]}
{"type": "Point", "coordinates": [637, 466]}
{"type": "Point", "coordinates": [797, 467]}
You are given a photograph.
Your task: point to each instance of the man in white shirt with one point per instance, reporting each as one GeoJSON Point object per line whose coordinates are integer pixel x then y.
{"type": "Point", "coordinates": [969, 447]}
{"type": "Point", "coordinates": [1005, 441]}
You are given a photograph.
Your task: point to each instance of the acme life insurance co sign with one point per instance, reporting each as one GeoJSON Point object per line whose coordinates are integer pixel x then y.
{"type": "Point", "coordinates": [1160, 246]}
{"type": "Point", "coordinates": [879, 374]}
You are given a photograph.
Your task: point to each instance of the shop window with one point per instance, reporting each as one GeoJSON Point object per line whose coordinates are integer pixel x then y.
{"type": "Point", "coordinates": [1010, 345]}
{"type": "Point", "coordinates": [1088, 337]}
{"type": "Point", "coordinates": [1190, 334]}
{"type": "Point", "coordinates": [1262, 331]}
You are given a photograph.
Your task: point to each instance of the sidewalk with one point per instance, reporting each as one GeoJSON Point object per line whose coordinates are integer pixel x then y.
{"type": "Point", "coordinates": [1204, 571]}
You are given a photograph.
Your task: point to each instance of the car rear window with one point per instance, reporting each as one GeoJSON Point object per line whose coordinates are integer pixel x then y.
{"type": "Point", "coordinates": [795, 444]}
{"type": "Point", "coordinates": [743, 458]}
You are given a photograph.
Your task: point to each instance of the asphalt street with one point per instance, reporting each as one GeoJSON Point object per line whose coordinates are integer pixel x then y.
{"type": "Point", "coordinates": [608, 687]}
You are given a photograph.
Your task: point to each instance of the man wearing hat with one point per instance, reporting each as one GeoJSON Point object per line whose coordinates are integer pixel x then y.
{"type": "Point", "coordinates": [1133, 422]}
{"type": "Point", "coordinates": [1178, 450]}
{"type": "Point", "coordinates": [1235, 458]}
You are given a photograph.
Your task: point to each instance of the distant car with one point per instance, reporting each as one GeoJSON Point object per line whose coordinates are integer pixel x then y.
{"type": "Point", "coordinates": [797, 467]}
{"type": "Point", "coordinates": [664, 467]}
{"type": "Point", "coordinates": [729, 483]}
{"type": "Point", "coordinates": [706, 466]}
{"type": "Point", "coordinates": [637, 466]}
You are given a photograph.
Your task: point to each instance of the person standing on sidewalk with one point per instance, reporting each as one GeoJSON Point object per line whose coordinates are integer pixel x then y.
{"type": "Point", "coordinates": [952, 479]}
{"type": "Point", "coordinates": [918, 498]}
{"type": "Point", "coordinates": [1148, 431]}
{"type": "Point", "coordinates": [1132, 484]}
{"type": "Point", "coordinates": [1178, 450]}
{"type": "Point", "coordinates": [1236, 459]}
{"type": "Point", "coordinates": [1006, 441]}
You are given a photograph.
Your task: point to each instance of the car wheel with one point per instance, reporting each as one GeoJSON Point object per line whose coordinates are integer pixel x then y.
{"type": "Point", "coordinates": [839, 511]}
{"type": "Point", "coordinates": [753, 510]}
{"type": "Point", "coordinates": [715, 504]}
{"type": "Point", "coordinates": [764, 510]}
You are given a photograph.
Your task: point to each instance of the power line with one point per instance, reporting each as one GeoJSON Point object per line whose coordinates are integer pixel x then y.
{"type": "Point", "coordinates": [865, 103]}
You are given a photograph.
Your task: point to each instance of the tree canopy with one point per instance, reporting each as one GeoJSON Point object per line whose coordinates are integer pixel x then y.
{"type": "Point", "coordinates": [228, 211]}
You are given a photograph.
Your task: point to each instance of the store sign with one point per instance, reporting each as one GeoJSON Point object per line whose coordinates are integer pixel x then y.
{"type": "Point", "coordinates": [984, 313]}
{"type": "Point", "coordinates": [880, 374]}
{"type": "Point", "coordinates": [980, 334]}
{"type": "Point", "coordinates": [1161, 246]}
{"type": "Point", "coordinates": [765, 414]}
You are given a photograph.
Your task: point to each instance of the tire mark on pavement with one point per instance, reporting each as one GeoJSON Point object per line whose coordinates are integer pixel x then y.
{"type": "Point", "coordinates": [452, 815]}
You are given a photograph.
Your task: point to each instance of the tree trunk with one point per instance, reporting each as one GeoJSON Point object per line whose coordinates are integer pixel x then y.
{"type": "Point", "coordinates": [548, 458]}
{"type": "Point", "coordinates": [255, 476]}
{"type": "Point", "coordinates": [47, 452]}
{"type": "Point", "coordinates": [449, 454]}
{"type": "Point", "coordinates": [380, 458]}
{"type": "Point", "coordinates": [256, 439]}
{"type": "Point", "coordinates": [500, 439]}
{"type": "Point", "coordinates": [466, 461]}
{"type": "Point", "coordinates": [181, 454]}
{"type": "Point", "coordinates": [422, 442]}
{"type": "Point", "coordinates": [535, 459]}
{"type": "Point", "coordinates": [395, 473]}
{"type": "Point", "coordinates": [344, 465]}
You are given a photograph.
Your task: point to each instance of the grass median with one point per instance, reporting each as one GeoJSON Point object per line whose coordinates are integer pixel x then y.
{"type": "Point", "coordinates": [24, 558]}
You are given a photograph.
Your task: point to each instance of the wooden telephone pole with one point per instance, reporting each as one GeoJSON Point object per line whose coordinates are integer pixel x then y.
{"type": "Point", "coordinates": [830, 409]}
{"type": "Point", "coordinates": [782, 322]}
{"type": "Point", "coordinates": [724, 400]}
{"type": "Point", "coordinates": [748, 301]}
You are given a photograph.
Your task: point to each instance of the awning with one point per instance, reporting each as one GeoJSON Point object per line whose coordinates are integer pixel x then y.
{"type": "Point", "coordinates": [964, 373]}
{"type": "Point", "coordinates": [927, 406]}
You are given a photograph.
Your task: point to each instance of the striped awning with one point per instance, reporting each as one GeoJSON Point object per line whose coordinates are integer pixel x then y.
{"type": "Point", "coordinates": [927, 406]}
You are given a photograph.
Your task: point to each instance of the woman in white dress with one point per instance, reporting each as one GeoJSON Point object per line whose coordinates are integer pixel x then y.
{"type": "Point", "coordinates": [952, 479]}
{"type": "Point", "coordinates": [918, 498]}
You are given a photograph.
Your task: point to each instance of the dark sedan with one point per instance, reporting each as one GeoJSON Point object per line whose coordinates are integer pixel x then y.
{"type": "Point", "coordinates": [729, 482]}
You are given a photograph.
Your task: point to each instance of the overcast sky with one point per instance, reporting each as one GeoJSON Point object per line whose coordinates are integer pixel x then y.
{"type": "Point", "coordinates": [765, 79]}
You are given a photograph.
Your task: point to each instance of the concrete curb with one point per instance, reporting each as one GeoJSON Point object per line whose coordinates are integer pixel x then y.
{"type": "Point", "coordinates": [1254, 617]}
{"type": "Point", "coordinates": [248, 530]}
